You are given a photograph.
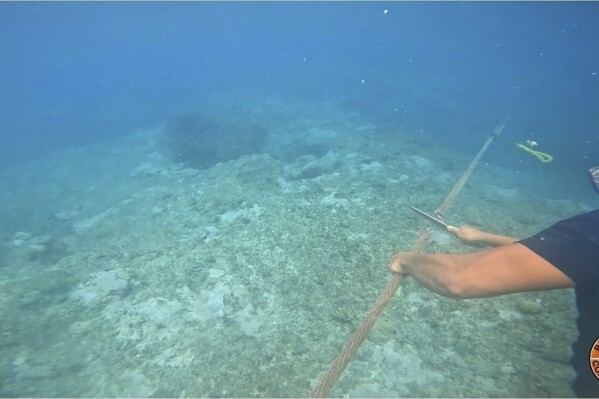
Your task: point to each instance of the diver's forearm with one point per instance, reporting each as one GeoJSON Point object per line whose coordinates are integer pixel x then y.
{"type": "Point", "coordinates": [473, 236]}
{"type": "Point", "coordinates": [495, 240]}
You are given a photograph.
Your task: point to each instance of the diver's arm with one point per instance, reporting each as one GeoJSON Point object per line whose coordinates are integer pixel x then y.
{"type": "Point", "coordinates": [473, 236]}
{"type": "Point", "coordinates": [496, 271]}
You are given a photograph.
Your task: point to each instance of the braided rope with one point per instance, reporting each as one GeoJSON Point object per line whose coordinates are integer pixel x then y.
{"type": "Point", "coordinates": [331, 377]}
{"type": "Point", "coordinates": [460, 183]}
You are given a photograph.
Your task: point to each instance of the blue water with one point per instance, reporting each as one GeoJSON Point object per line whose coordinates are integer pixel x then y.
{"type": "Point", "coordinates": [366, 105]}
{"type": "Point", "coordinates": [77, 73]}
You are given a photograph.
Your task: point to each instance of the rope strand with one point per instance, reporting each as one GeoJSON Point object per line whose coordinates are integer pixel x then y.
{"type": "Point", "coordinates": [331, 377]}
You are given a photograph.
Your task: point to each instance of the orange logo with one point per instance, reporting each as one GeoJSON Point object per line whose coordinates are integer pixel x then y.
{"type": "Point", "coordinates": [594, 358]}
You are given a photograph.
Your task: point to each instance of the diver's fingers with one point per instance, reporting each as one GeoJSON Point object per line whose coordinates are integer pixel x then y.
{"type": "Point", "coordinates": [452, 229]}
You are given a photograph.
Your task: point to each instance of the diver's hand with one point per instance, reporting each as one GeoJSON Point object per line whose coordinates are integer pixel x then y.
{"type": "Point", "coordinates": [468, 234]}
{"type": "Point", "coordinates": [397, 263]}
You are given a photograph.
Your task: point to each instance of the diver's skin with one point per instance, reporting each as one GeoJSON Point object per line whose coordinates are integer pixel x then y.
{"type": "Point", "coordinates": [506, 268]}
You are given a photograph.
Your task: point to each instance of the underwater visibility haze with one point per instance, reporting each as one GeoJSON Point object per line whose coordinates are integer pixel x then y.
{"type": "Point", "coordinates": [201, 198]}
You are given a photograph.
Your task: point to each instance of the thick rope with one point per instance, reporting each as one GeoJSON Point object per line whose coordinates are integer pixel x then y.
{"type": "Point", "coordinates": [331, 377]}
{"type": "Point", "coordinates": [460, 183]}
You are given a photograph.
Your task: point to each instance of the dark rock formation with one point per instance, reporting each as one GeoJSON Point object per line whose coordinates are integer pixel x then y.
{"type": "Point", "coordinates": [202, 142]}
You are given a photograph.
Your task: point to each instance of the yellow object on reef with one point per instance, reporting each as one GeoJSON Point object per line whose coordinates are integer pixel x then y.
{"type": "Point", "coordinates": [543, 157]}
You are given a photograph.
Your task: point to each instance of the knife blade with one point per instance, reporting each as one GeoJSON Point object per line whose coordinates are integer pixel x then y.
{"type": "Point", "coordinates": [429, 217]}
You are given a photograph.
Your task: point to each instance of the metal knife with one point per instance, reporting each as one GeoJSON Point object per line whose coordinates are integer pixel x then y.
{"type": "Point", "coordinates": [430, 217]}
